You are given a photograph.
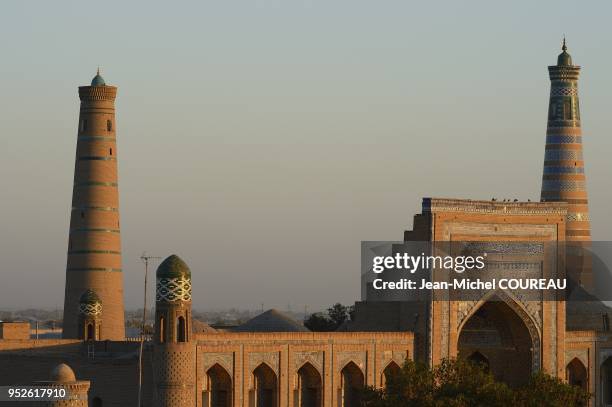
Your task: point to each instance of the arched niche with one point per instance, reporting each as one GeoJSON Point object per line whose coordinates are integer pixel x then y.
{"type": "Point", "coordinates": [219, 386]}
{"type": "Point", "coordinates": [309, 386]}
{"type": "Point", "coordinates": [353, 382]}
{"type": "Point", "coordinates": [391, 370]}
{"type": "Point", "coordinates": [266, 386]}
{"type": "Point", "coordinates": [577, 374]}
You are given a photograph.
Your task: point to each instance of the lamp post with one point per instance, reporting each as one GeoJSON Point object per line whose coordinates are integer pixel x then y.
{"type": "Point", "coordinates": [146, 260]}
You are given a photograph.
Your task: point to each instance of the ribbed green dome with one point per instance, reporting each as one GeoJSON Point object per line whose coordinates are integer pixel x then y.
{"type": "Point", "coordinates": [98, 80]}
{"type": "Point", "coordinates": [173, 267]}
{"type": "Point", "coordinates": [90, 297]}
{"type": "Point", "coordinates": [564, 59]}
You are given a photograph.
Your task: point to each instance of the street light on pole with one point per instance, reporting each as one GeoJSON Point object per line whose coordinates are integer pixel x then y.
{"type": "Point", "coordinates": [145, 258]}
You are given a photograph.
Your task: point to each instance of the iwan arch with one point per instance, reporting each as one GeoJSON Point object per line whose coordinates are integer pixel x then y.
{"type": "Point", "coordinates": [272, 361]}
{"type": "Point", "coordinates": [502, 335]}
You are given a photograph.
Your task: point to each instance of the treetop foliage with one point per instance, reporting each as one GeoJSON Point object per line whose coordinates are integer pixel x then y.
{"type": "Point", "coordinates": [461, 383]}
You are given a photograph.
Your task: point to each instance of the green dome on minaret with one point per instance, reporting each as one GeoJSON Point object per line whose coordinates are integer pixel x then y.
{"type": "Point", "coordinates": [90, 297]}
{"type": "Point", "coordinates": [173, 267]}
{"type": "Point", "coordinates": [90, 304]}
{"type": "Point", "coordinates": [564, 59]}
{"type": "Point", "coordinates": [98, 80]}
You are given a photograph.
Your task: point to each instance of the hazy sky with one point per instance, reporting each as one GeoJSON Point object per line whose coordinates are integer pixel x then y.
{"type": "Point", "coordinates": [263, 140]}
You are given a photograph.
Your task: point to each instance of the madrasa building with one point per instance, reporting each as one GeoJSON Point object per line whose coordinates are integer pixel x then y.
{"type": "Point", "coordinates": [272, 360]}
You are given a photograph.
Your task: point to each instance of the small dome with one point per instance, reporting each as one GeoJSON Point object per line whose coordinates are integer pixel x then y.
{"type": "Point", "coordinates": [173, 267]}
{"type": "Point", "coordinates": [63, 374]}
{"type": "Point", "coordinates": [564, 59]}
{"type": "Point", "coordinates": [90, 297]}
{"type": "Point", "coordinates": [98, 80]}
{"type": "Point", "coordinates": [272, 321]}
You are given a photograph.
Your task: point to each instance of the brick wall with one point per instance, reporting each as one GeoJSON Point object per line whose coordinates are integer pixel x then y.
{"type": "Point", "coordinates": [14, 330]}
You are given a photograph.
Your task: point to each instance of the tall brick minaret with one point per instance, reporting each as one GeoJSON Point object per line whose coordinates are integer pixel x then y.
{"type": "Point", "coordinates": [94, 244]}
{"type": "Point", "coordinates": [564, 178]}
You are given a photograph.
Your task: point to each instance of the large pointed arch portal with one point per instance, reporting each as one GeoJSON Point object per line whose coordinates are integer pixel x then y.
{"type": "Point", "coordinates": [501, 333]}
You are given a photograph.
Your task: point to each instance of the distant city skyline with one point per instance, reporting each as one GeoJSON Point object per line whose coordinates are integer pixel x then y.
{"type": "Point", "coordinates": [263, 141]}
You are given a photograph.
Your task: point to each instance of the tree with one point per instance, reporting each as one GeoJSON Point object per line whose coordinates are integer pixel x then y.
{"type": "Point", "coordinates": [464, 383]}
{"type": "Point", "coordinates": [547, 391]}
{"type": "Point", "coordinates": [412, 387]}
{"type": "Point", "coordinates": [319, 322]}
{"type": "Point", "coordinates": [329, 321]}
{"type": "Point", "coordinates": [338, 313]}
{"type": "Point", "coordinates": [460, 383]}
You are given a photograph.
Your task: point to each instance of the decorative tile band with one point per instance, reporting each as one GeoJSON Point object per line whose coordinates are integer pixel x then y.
{"type": "Point", "coordinates": [95, 158]}
{"type": "Point", "coordinates": [549, 185]}
{"type": "Point", "coordinates": [564, 124]}
{"type": "Point", "coordinates": [85, 230]}
{"type": "Point", "coordinates": [173, 289]}
{"type": "Point", "coordinates": [577, 217]}
{"type": "Point", "coordinates": [563, 91]}
{"type": "Point", "coordinates": [523, 208]}
{"type": "Point", "coordinates": [563, 139]}
{"type": "Point", "coordinates": [575, 201]}
{"type": "Point", "coordinates": [90, 310]}
{"type": "Point", "coordinates": [505, 248]}
{"type": "Point", "coordinates": [95, 208]}
{"type": "Point", "coordinates": [555, 196]}
{"type": "Point", "coordinates": [563, 170]}
{"type": "Point", "coordinates": [567, 131]}
{"type": "Point", "coordinates": [504, 265]}
{"type": "Point", "coordinates": [558, 163]}
{"type": "Point", "coordinates": [93, 252]}
{"type": "Point", "coordinates": [578, 232]}
{"type": "Point", "coordinates": [563, 73]}
{"type": "Point", "coordinates": [554, 155]}
{"type": "Point", "coordinates": [95, 138]}
{"type": "Point", "coordinates": [563, 177]}
{"type": "Point", "coordinates": [95, 184]}
{"type": "Point", "coordinates": [90, 93]}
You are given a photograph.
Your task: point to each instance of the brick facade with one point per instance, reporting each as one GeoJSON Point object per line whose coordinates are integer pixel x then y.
{"type": "Point", "coordinates": [14, 330]}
